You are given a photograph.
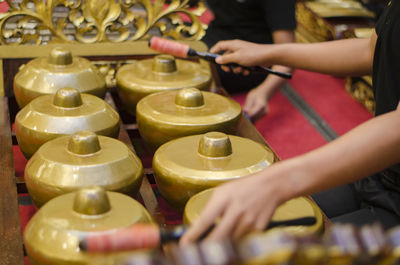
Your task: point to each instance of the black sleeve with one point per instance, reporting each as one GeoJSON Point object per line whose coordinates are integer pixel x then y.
{"type": "Point", "coordinates": [280, 14]}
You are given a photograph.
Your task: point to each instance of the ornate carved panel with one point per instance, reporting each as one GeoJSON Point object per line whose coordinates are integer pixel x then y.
{"type": "Point", "coordinates": [90, 21]}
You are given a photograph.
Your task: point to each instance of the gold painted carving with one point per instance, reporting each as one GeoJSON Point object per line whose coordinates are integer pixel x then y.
{"type": "Point", "coordinates": [314, 24]}
{"type": "Point", "coordinates": [91, 21]}
{"type": "Point", "coordinates": [360, 88]}
{"type": "Point", "coordinates": [109, 70]}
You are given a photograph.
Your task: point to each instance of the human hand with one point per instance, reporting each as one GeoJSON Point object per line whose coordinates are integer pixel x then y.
{"type": "Point", "coordinates": [240, 52]}
{"type": "Point", "coordinates": [241, 206]}
{"type": "Point", "coordinates": [256, 105]}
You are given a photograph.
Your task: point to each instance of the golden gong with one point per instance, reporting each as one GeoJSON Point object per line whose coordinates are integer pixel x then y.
{"type": "Point", "coordinates": [188, 165]}
{"type": "Point", "coordinates": [163, 73]}
{"type": "Point", "coordinates": [292, 209]}
{"type": "Point", "coordinates": [64, 113]}
{"type": "Point", "coordinates": [52, 235]}
{"type": "Point", "coordinates": [164, 116]}
{"type": "Point", "coordinates": [84, 159]}
{"type": "Point", "coordinates": [43, 76]}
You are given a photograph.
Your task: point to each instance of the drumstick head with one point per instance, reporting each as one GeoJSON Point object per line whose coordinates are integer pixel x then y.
{"type": "Point", "coordinates": [169, 46]}
{"type": "Point", "coordinates": [138, 236]}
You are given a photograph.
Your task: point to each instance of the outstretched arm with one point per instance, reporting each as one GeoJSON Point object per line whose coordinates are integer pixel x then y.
{"type": "Point", "coordinates": [256, 104]}
{"type": "Point", "coordinates": [343, 57]}
{"type": "Point", "coordinates": [247, 204]}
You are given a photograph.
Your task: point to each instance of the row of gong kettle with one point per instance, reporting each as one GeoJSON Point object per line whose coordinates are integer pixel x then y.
{"type": "Point", "coordinates": [64, 127]}
{"type": "Point", "coordinates": [67, 132]}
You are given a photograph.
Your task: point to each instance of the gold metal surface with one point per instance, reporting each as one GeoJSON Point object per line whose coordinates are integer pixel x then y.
{"type": "Point", "coordinates": [292, 209]}
{"type": "Point", "coordinates": [311, 25]}
{"type": "Point", "coordinates": [329, 8]}
{"type": "Point", "coordinates": [162, 73]}
{"type": "Point", "coordinates": [51, 116]}
{"type": "Point", "coordinates": [358, 33]}
{"type": "Point", "coordinates": [52, 235]}
{"type": "Point", "coordinates": [360, 88]}
{"type": "Point", "coordinates": [90, 21]}
{"type": "Point", "coordinates": [84, 159]}
{"type": "Point", "coordinates": [108, 52]}
{"type": "Point", "coordinates": [160, 119]}
{"type": "Point", "coordinates": [317, 20]}
{"type": "Point", "coordinates": [188, 165]}
{"type": "Point", "coordinates": [43, 76]}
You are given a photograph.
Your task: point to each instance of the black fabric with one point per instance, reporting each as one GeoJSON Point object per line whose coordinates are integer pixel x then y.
{"type": "Point", "coordinates": [386, 76]}
{"type": "Point", "coordinates": [345, 205]}
{"type": "Point", "coordinates": [250, 20]}
{"type": "Point", "coordinates": [383, 189]}
{"type": "Point", "coordinates": [378, 195]}
{"type": "Point", "coordinates": [338, 201]}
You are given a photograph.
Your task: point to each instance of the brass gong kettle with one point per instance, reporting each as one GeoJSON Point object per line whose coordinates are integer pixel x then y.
{"type": "Point", "coordinates": [82, 160]}
{"type": "Point", "coordinates": [168, 115]}
{"type": "Point", "coordinates": [43, 76]}
{"type": "Point", "coordinates": [50, 116]}
{"type": "Point", "coordinates": [52, 235]}
{"type": "Point", "coordinates": [162, 73]}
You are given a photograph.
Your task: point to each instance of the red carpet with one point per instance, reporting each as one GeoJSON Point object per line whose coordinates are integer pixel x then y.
{"type": "Point", "coordinates": [289, 133]}
{"type": "Point", "coordinates": [328, 97]}
{"type": "Point", "coordinates": [285, 129]}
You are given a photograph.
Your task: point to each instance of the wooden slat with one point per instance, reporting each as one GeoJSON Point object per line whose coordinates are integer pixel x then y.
{"type": "Point", "coordinates": [2, 91]}
{"type": "Point", "coordinates": [11, 250]}
{"type": "Point", "coordinates": [107, 49]}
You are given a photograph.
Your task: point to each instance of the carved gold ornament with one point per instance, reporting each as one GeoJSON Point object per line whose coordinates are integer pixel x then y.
{"type": "Point", "coordinates": [360, 88]}
{"type": "Point", "coordinates": [90, 21]}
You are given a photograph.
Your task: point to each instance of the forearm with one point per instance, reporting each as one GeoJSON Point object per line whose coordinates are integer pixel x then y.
{"type": "Point", "coordinates": [273, 83]}
{"type": "Point", "coordinates": [363, 151]}
{"type": "Point", "coordinates": [343, 57]}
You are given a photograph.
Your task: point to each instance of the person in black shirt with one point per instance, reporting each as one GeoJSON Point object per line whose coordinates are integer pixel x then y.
{"type": "Point", "coordinates": [371, 149]}
{"type": "Point", "coordinates": [266, 21]}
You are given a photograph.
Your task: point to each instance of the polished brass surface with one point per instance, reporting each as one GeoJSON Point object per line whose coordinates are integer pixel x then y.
{"type": "Point", "coordinates": [292, 209]}
{"type": "Point", "coordinates": [67, 98]}
{"type": "Point", "coordinates": [164, 64]}
{"type": "Point", "coordinates": [60, 56]}
{"type": "Point", "coordinates": [160, 119]}
{"type": "Point", "coordinates": [188, 165]}
{"type": "Point", "coordinates": [335, 8]}
{"type": "Point", "coordinates": [64, 113]}
{"type": "Point", "coordinates": [43, 76]}
{"type": "Point", "coordinates": [162, 73]}
{"type": "Point", "coordinates": [84, 159]}
{"type": "Point", "coordinates": [91, 201]}
{"type": "Point", "coordinates": [189, 98]}
{"type": "Point", "coordinates": [215, 145]}
{"type": "Point", "coordinates": [84, 143]}
{"type": "Point", "coordinates": [113, 56]}
{"type": "Point", "coordinates": [52, 235]}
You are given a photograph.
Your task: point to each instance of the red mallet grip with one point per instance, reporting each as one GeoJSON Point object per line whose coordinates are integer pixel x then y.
{"type": "Point", "coordinates": [138, 236]}
{"type": "Point", "coordinates": [168, 46]}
